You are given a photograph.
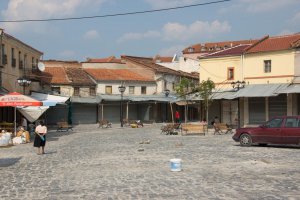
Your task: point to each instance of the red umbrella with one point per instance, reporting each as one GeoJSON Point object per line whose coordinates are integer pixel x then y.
{"type": "Point", "coordinates": [15, 99]}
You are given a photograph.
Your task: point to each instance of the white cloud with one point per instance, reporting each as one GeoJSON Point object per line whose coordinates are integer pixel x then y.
{"type": "Point", "coordinates": [91, 35]}
{"type": "Point", "coordinates": [37, 9]}
{"type": "Point", "coordinates": [259, 6]}
{"type": "Point", "coordinates": [171, 51]}
{"type": "Point", "coordinates": [176, 31]}
{"type": "Point", "coordinates": [182, 32]}
{"type": "Point", "coordinates": [139, 36]}
{"type": "Point", "coordinates": [157, 4]}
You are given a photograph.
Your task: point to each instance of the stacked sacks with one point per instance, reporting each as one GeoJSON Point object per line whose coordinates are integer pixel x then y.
{"type": "Point", "coordinates": [5, 138]}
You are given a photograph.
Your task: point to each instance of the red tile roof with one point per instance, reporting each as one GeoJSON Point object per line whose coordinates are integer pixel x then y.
{"type": "Point", "coordinates": [111, 59]}
{"type": "Point", "coordinates": [115, 74]}
{"type": "Point", "coordinates": [150, 64]}
{"type": "Point", "coordinates": [66, 76]}
{"type": "Point", "coordinates": [161, 59]}
{"type": "Point", "coordinates": [55, 75]}
{"type": "Point", "coordinates": [215, 46]}
{"type": "Point", "coordinates": [234, 51]}
{"type": "Point", "coordinates": [275, 43]}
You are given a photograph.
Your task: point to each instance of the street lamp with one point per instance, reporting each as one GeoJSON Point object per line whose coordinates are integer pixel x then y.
{"type": "Point", "coordinates": [24, 82]}
{"type": "Point", "coordinates": [122, 89]}
{"type": "Point", "coordinates": [237, 86]}
{"type": "Point", "coordinates": [167, 92]}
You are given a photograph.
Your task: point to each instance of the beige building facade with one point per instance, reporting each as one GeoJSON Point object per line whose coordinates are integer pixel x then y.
{"type": "Point", "coordinates": [18, 60]}
{"type": "Point", "coordinates": [269, 68]}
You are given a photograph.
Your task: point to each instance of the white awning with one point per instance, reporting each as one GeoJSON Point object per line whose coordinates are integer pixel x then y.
{"type": "Point", "coordinates": [260, 90]}
{"type": "Point", "coordinates": [32, 113]}
{"type": "Point", "coordinates": [294, 88]}
{"type": "Point", "coordinates": [48, 99]}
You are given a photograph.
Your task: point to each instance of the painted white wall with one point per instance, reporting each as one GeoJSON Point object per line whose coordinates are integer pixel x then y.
{"type": "Point", "coordinates": [151, 88]}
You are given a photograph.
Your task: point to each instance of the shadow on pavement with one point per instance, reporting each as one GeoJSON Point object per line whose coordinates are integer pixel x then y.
{"type": "Point", "coordinates": [7, 162]}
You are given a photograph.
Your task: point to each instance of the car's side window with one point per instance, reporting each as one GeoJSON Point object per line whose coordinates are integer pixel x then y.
{"type": "Point", "coordinates": [274, 123]}
{"type": "Point", "coordinates": [291, 122]}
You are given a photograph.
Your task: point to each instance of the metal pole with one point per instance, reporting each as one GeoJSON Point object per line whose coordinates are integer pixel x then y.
{"type": "Point", "coordinates": [24, 89]}
{"type": "Point", "coordinates": [238, 113]}
{"type": "Point", "coordinates": [121, 110]}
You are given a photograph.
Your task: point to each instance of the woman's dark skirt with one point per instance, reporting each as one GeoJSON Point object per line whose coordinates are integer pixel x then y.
{"type": "Point", "coordinates": [38, 142]}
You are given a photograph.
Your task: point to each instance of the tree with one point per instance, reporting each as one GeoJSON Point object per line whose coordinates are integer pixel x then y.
{"type": "Point", "coordinates": [183, 88]}
{"type": "Point", "coordinates": [205, 90]}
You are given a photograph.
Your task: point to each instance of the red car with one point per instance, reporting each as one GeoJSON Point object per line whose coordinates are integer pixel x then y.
{"type": "Point", "coordinates": [279, 130]}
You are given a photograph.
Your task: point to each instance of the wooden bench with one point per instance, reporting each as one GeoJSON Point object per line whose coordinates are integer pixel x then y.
{"type": "Point", "coordinates": [193, 129]}
{"type": "Point", "coordinates": [171, 129]}
{"type": "Point", "coordinates": [136, 123]}
{"type": "Point", "coordinates": [64, 126]}
{"type": "Point", "coordinates": [104, 124]}
{"type": "Point", "coordinates": [222, 128]}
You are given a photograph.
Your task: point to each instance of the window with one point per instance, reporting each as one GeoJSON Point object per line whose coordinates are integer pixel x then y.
{"type": "Point", "coordinates": [165, 85]}
{"type": "Point", "coordinates": [131, 89]}
{"type": "Point", "coordinates": [275, 123]}
{"type": "Point", "coordinates": [13, 59]}
{"type": "Point", "coordinates": [3, 55]}
{"type": "Point", "coordinates": [230, 73]}
{"type": "Point", "coordinates": [76, 91]}
{"type": "Point", "coordinates": [267, 66]}
{"type": "Point", "coordinates": [291, 123]}
{"type": "Point", "coordinates": [33, 64]}
{"type": "Point", "coordinates": [173, 86]}
{"type": "Point", "coordinates": [92, 91]}
{"type": "Point", "coordinates": [190, 50]}
{"type": "Point", "coordinates": [25, 60]}
{"type": "Point", "coordinates": [20, 61]}
{"type": "Point", "coordinates": [143, 90]}
{"type": "Point", "coordinates": [108, 89]}
{"type": "Point", "coordinates": [56, 90]}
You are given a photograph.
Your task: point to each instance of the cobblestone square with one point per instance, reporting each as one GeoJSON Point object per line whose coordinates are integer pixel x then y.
{"type": "Point", "coordinates": [96, 163]}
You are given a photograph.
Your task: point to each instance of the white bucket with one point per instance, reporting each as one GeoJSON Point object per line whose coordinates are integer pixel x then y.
{"type": "Point", "coordinates": [175, 165]}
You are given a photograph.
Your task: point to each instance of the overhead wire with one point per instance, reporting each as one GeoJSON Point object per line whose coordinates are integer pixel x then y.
{"type": "Point", "coordinates": [116, 14]}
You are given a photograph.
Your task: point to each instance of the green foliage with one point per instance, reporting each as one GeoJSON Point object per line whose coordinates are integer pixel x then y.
{"type": "Point", "coordinates": [184, 87]}
{"type": "Point", "coordinates": [205, 89]}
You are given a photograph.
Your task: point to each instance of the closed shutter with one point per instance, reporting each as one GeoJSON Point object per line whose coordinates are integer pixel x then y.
{"type": "Point", "coordinates": [56, 114]}
{"type": "Point", "coordinates": [84, 113]}
{"type": "Point", "coordinates": [257, 113]}
{"type": "Point", "coordinates": [277, 106]}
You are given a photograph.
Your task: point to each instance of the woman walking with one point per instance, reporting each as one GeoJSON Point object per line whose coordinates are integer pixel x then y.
{"type": "Point", "coordinates": [40, 137]}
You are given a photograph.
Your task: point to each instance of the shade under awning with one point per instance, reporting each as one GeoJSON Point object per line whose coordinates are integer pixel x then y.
{"type": "Point", "coordinates": [260, 90]}
{"type": "Point", "coordinates": [294, 88]}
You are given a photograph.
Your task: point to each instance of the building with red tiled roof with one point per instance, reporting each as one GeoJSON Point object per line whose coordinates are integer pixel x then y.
{"type": "Point", "coordinates": [269, 69]}
{"type": "Point", "coordinates": [68, 79]}
{"type": "Point", "coordinates": [111, 59]}
{"type": "Point", "coordinates": [198, 50]}
{"type": "Point", "coordinates": [116, 75]}
{"type": "Point", "coordinates": [276, 43]}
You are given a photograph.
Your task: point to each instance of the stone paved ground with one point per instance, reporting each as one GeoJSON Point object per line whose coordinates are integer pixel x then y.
{"type": "Point", "coordinates": [92, 163]}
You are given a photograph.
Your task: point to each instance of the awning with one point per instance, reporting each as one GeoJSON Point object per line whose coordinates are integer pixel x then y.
{"type": "Point", "coordinates": [294, 88]}
{"type": "Point", "coordinates": [260, 90]}
{"type": "Point", "coordinates": [87, 100]}
{"type": "Point", "coordinates": [223, 95]}
{"type": "Point", "coordinates": [48, 99]}
{"type": "Point", "coordinates": [32, 113]}
{"type": "Point", "coordinates": [139, 98]}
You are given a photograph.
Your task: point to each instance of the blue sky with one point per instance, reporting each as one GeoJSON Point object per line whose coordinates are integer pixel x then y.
{"type": "Point", "coordinates": [163, 33]}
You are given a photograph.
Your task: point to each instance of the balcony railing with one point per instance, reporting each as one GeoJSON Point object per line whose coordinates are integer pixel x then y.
{"type": "Point", "coordinates": [34, 74]}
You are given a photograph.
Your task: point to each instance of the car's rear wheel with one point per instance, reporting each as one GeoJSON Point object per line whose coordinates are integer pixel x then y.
{"type": "Point", "coordinates": [245, 140]}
